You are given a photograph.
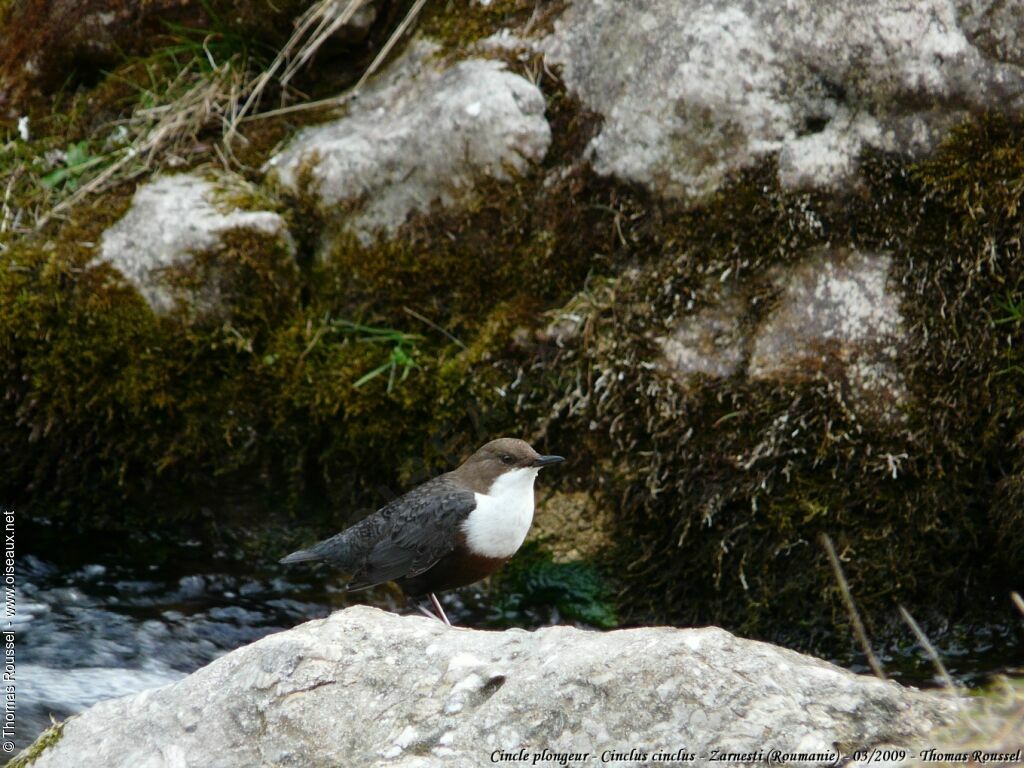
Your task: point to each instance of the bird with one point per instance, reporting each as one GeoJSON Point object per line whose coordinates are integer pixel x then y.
{"type": "Point", "coordinates": [449, 532]}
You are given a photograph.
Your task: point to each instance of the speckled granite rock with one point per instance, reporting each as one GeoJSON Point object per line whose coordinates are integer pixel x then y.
{"type": "Point", "coordinates": [838, 318]}
{"type": "Point", "coordinates": [369, 688]}
{"type": "Point", "coordinates": [173, 218]}
{"type": "Point", "coordinates": [692, 91]}
{"type": "Point", "coordinates": [835, 317]}
{"type": "Point", "coordinates": [995, 27]}
{"type": "Point", "coordinates": [423, 133]}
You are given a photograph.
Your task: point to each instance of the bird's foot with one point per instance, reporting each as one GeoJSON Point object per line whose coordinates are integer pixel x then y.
{"type": "Point", "coordinates": [437, 613]}
{"type": "Point", "coordinates": [439, 609]}
{"type": "Point", "coordinates": [425, 611]}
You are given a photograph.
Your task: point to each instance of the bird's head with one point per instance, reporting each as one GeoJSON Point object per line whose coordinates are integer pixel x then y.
{"type": "Point", "coordinates": [500, 457]}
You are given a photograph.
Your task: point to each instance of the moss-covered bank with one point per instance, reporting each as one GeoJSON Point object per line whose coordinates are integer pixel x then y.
{"type": "Point", "coordinates": [116, 418]}
{"type": "Point", "coordinates": [123, 417]}
{"type": "Point", "coordinates": [112, 408]}
{"type": "Point", "coordinates": [722, 489]}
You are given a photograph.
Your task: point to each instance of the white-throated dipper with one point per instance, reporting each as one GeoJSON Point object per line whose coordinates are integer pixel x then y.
{"type": "Point", "coordinates": [447, 533]}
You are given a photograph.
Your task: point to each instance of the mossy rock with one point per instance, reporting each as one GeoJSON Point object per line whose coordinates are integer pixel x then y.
{"type": "Point", "coordinates": [721, 490]}
{"type": "Point", "coordinates": [111, 407]}
{"type": "Point", "coordinates": [117, 418]}
{"type": "Point", "coordinates": [458, 24]}
{"type": "Point", "coordinates": [44, 741]}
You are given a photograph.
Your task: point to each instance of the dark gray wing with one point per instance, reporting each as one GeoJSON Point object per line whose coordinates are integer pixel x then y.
{"type": "Point", "coordinates": [414, 532]}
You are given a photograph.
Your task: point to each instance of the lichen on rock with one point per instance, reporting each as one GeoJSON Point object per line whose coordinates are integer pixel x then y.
{"type": "Point", "coordinates": [423, 133]}
{"type": "Point", "coordinates": [711, 341]}
{"type": "Point", "coordinates": [408, 690]}
{"type": "Point", "coordinates": [836, 310]}
{"type": "Point", "coordinates": [835, 317]}
{"type": "Point", "coordinates": [171, 220]}
{"type": "Point", "coordinates": [692, 92]}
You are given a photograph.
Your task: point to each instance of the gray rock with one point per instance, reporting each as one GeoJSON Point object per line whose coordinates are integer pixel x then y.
{"type": "Point", "coordinates": [367, 688]}
{"type": "Point", "coordinates": [996, 27]}
{"type": "Point", "coordinates": [173, 218]}
{"type": "Point", "coordinates": [836, 318]}
{"type": "Point", "coordinates": [709, 342]}
{"type": "Point", "coordinates": [423, 133]}
{"type": "Point", "coordinates": [691, 91]}
{"type": "Point", "coordinates": [833, 303]}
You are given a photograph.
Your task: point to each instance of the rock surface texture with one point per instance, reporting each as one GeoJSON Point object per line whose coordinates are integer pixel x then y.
{"type": "Point", "coordinates": [692, 91]}
{"type": "Point", "coordinates": [421, 134]}
{"type": "Point", "coordinates": [172, 218]}
{"type": "Point", "coordinates": [836, 317]}
{"type": "Point", "coordinates": [369, 688]}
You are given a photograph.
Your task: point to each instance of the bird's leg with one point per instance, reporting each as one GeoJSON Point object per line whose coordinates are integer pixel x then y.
{"type": "Point", "coordinates": [439, 609]}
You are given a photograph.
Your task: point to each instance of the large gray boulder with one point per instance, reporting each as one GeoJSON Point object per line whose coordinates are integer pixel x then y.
{"type": "Point", "coordinates": [368, 688]}
{"type": "Point", "coordinates": [691, 90]}
{"type": "Point", "coordinates": [424, 133]}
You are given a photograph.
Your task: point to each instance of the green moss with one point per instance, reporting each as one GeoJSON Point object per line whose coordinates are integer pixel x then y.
{"type": "Point", "coordinates": [578, 589]}
{"type": "Point", "coordinates": [114, 417]}
{"type": "Point", "coordinates": [457, 24]}
{"type": "Point", "coordinates": [46, 739]}
{"type": "Point", "coordinates": [720, 490]}
{"type": "Point", "coordinates": [110, 406]}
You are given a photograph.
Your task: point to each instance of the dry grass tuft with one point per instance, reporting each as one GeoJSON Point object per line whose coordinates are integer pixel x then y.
{"type": "Point", "coordinates": [216, 86]}
{"type": "Point", "coordinates": [301, 47]}
{"type": "Point", "coordinates": [990, 729]}
{"type": "Point", "coordinates": [312, 29]}
{"type": "Point", "coordinates": [166, 129]}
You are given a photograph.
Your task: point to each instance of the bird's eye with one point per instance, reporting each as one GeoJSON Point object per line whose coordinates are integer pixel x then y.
{"type": "Point", "coordinates": [507, 459]}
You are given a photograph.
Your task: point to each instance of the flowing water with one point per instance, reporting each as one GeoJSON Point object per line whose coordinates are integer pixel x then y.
{"type": "Point", "coordinates": [97, 620]}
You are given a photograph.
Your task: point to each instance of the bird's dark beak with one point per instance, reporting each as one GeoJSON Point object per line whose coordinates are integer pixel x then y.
{"type": "Point", "coordinates": [543, 461]}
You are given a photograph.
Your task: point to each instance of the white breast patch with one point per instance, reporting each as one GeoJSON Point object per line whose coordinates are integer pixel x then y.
{"type": "Point", "coordinates": [501, 520]}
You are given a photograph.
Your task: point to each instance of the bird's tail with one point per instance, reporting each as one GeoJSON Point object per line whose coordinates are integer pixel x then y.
{"type": "Point", "coordinates": [336, 550]}
{"type": "Point", "coordinates": [302, 556]}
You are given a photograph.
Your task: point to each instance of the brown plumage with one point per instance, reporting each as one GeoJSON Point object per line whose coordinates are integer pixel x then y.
{"type": "Point", "coordinates": [424, 540]}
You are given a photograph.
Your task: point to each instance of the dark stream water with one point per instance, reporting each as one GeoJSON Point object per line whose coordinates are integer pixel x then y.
{"type": "Point", "coordinates": [97, 620]}
{"type": "Point", "coordinates": [100, 619]}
